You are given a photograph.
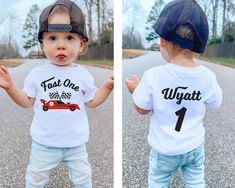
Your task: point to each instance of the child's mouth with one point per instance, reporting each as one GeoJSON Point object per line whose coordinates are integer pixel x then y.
{"type": "Point", "coordinates": [61, 56]}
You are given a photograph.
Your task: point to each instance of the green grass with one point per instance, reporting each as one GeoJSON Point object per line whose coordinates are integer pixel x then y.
{"type": "Point", "coordinates": [224, 60]}
{"type": "Point", "coordinates": [102, 63]}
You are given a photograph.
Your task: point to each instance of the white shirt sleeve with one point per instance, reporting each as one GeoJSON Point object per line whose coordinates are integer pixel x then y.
{"type": "Point", "coordinates": [215, 98]}
{"type": "Point", "coordinates": [142, 94]}
{"type": "Point", "coordinates": [29, 86]}
{"type": "Point", "coordinates": [90, 90]}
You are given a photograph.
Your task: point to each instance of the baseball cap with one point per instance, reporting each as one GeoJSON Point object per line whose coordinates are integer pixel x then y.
{"type": "Point", "coordinates": [77, 20]}
{"type": "Point", "coordinates": [183, 12]}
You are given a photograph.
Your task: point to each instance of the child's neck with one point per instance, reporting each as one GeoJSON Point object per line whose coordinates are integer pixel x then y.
{"type": "Point", "coordinates": [183, 61]}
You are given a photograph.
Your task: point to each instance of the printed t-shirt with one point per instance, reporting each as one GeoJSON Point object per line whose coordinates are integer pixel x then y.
{"type": "Point", "coordinates": [60, 118]}
{"type": "Point", "coordinates": [177, 97]}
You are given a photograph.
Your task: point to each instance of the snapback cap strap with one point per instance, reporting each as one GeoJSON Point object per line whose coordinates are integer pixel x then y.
{"type": "Point", "coordinates": [59, 27]}
{"type": "Point", "coordinates": [184, 43]}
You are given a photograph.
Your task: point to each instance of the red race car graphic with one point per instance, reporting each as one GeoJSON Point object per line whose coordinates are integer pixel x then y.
{"type": "Point", "coordinates": [57, 104]}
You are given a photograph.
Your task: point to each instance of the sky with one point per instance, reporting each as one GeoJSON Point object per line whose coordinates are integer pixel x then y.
{"type": "Point", "coordinates": [146, 4]}
{"type": "Point", "coordinates": [141, 13]}
{"type": "Point", "coordinates": [144, 7]}
{"type": "Point", "coordinates": [20, 9]}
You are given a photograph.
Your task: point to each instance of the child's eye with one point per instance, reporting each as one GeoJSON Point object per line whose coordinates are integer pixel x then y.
{"type": "Point", "coordinates": [69, 37]}
{"type": "Point", "coordinates": [52, 38]}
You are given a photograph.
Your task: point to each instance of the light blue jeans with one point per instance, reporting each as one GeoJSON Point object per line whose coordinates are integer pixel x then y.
{"type": "Point", "coordinates": [44, 158]}
{"type": "Point", "coordinates": [192, 165]}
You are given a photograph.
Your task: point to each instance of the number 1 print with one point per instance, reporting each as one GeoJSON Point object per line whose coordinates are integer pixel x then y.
{"type": "Point", "coordinates": [181, 114]}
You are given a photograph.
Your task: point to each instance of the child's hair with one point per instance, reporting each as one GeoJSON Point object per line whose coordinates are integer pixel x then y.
{"type": "Point", "coordinates": [185, 32]}
{"type": "Point", "coordinates": [59, 9]}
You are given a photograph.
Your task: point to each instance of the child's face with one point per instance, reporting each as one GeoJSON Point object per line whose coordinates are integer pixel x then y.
{"type": "Point", "coordinates": [61, 47]}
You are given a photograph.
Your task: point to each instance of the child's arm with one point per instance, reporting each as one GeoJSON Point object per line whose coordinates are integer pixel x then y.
{"type": "Point", "coordinates": [131, 83]}
{"type": "Point", "coordinates": [215, 93]}
{"type": "Point", "coordinates": [141, 110]}
{"type": "Point", "coordinates": [102, 93]}
{"type": "Point", "coordinates": [17, 94]}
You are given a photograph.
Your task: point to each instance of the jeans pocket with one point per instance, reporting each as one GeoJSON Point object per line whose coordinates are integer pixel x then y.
{"type": "Point", "coordinates": [167, 163]}
{"type": "Point", "coordinates": [163, 163]}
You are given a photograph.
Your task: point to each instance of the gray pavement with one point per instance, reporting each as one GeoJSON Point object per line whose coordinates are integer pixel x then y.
{"type": "Point", "coordinates": [219, 125]}
{"type": "Point", "coordinates": [15, 139]}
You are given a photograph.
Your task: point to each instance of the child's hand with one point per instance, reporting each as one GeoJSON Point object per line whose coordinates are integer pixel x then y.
{"type": "Point", "coordinates": [132, 83]}
{"type": "Point", "coordinates": [110, 82]}
{"type": "Point", "coordinates": [5, 78]}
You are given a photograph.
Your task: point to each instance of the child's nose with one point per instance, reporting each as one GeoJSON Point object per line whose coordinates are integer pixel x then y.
{"type": "Point", "coordinates": [61, 45]}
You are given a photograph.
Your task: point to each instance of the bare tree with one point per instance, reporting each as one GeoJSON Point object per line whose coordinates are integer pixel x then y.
{"type": "Point", "coordinates": [134, 14]}
{"type": "Point", "coordinates": [106, 35]}
{"type": "Point", "coordinates": [99, 15]}
{"type": "Point", "coordinates": [205, 6]}
{"type": "Point", "coordinates": [8, 50]}
{"type": "Point", "coordinates": [132, 42]}
{"type": "Point", "coordinates": [89, 7]}
{"type": "Point", "coordinates": [212, 9]}
{"type": "Point", "coordinates": [98, 11]}
{"type": "Point", "coordinates": [223, 22]}
{"type": "Point", "coordinates": [103, 5]}
{"type": "Point", "coordinates": [214, 17]}
{"type": "Point", "coordinates": [230, 9]}
{"type": "Point", "coordinates": [98, 19]}
{"type": "Point", "coordinates": [10, 24]}
{"type": "Point", "coordinates": [103, 16]}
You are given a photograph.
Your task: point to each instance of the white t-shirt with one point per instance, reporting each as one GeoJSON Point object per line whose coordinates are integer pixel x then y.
{"type": "Point", "coordinates": [60, 118]}
{"type": "Point", "coordinates": [177, 97]}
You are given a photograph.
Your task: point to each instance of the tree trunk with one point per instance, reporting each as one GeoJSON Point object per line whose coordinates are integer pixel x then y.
{"type": "Point", "coordinates": [90, 30]}
{"type": "Point", "coordinates": [88, 5]}
{"type": "Point", "coordinates": [103, 15]}
{"type": "Point", "coordinates": [98, 19]}
{"type": "Point", "coordinates": [214, 18]}
{"type": "Point", "coordinates": [97, 3]}
{"type": "Point", "coordinates": [223, 26]}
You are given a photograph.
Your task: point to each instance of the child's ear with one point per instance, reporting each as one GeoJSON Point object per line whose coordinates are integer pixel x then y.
{"type": "Point", "coordinates": [162, 42]}
{"type": "Point", "coordinates": [83, 46]}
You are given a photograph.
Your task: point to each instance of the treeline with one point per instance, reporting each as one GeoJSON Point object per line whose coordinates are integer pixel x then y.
{"type": "Point", "coordinates": [9, 51]}
{"type": "Point", "coordinates": [99, 20]}
{"type": "Point", "coordinates": [133, 40]}
{"type": "Point", "coordinates": [8, 44]}
{"type": "Point", "coordinates": [220, 14]}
